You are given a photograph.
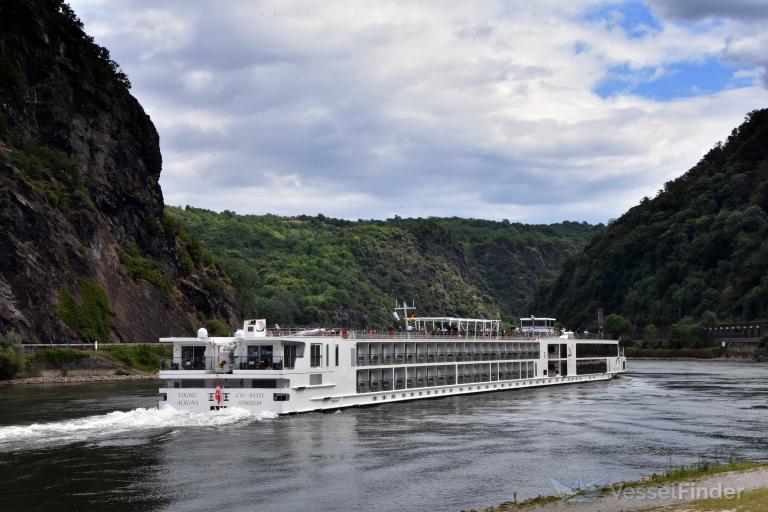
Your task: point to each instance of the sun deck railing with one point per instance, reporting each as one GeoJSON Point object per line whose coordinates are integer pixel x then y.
{"type": "Point", "coordinates": [361, 334]}
{"type": "Point", "coordinates": [186, 363]}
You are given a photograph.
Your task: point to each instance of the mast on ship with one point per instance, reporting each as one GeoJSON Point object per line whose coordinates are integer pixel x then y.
{"type": "Point", "coordinates": [405, 308]}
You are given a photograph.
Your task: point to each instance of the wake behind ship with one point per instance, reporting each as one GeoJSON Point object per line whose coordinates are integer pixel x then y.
{"type": "Point", "coordinates": [290, 371]}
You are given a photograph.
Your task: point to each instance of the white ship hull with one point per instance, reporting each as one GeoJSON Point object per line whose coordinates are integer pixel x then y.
{"type": "Point", "coordinates": [261, 400]}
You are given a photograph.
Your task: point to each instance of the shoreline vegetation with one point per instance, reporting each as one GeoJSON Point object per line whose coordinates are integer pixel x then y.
{"type": "Point", "coordinates": [61, 365]}
{"type": "Point", "coordinates": [748, 478]}
{"type": "Point", "coordinates": [716, 354]}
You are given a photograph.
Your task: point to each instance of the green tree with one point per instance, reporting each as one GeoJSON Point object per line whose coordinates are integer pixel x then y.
{"type": "Point", "coordinates": [650, 332]}
{"type": "Point", "coordinates": [617, 325]}
{"type": "Point", "coordinates": [12, 357]}
{"type": "Point", "coordinates": [709, 319]}
{"type": "Point", "coordinates": [686, 333]}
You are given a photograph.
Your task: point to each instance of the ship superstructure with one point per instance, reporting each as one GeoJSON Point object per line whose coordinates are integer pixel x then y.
{"type": "Point", "coordinates": [287, 371]}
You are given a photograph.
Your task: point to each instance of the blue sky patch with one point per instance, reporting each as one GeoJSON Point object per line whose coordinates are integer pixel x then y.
{"type": "Point", "coordinates": [677, 80]}
{"type": "Point", "coordinates": [634, 17]}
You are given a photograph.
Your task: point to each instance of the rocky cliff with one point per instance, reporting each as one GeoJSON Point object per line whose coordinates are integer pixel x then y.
{"type": "Point", "coordinates": [86, 251]}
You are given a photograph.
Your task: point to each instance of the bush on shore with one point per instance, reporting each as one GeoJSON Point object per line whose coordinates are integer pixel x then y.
{"type": "Point", "coordinates": [12, 357]}
{"type": "Point", "coordinates": [143, 357]}
{"type": "Point", "coordinates": [59, 356]}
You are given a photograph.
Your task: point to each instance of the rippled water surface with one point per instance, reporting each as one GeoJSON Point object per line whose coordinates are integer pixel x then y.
{"type": "Point", "coordinates": [82, 447]}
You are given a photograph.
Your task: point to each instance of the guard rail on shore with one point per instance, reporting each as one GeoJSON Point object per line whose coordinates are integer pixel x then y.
{"type": "Point", "coordinates": [33, 346]}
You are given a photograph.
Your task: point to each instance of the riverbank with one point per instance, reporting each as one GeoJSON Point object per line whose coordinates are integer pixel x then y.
{"type": "Point", "coordinates": [77, 379]}
{"type": "Point", "coordinates": [62, 365]}
{"type": "Point", "coordinates": [691, 489]}
{"type": "Point", "coordinates": [737, 351]}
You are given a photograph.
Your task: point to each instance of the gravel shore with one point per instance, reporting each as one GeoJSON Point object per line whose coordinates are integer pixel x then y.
{"type": "Point", "coordinates": [75, 379]}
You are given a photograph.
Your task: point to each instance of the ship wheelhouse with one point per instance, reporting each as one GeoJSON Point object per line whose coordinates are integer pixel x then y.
{"type": "Point", "coordinates": [538, 326]}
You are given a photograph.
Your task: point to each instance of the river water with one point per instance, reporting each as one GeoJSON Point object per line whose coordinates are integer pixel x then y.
{"type": "Point", "coordinates": [105, 446]}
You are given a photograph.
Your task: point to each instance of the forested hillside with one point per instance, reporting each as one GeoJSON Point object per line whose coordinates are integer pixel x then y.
{"type": "Point", "coordinates": [316, 270]}
{"type": "Point", "coordinates": [700, 245]}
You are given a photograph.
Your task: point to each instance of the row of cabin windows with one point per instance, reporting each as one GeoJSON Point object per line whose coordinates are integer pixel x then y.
{"type": "Point", "coordinates": [265, 352]}
{"type": "Point", "coordinates": [229, 383]}
{"type": "Point", "coordinates": [425, 376]}
{"type": "Point", "coordinates": [372, 354]}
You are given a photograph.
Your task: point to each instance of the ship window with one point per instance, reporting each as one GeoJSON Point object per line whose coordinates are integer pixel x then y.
{"type": "Point", "coordinates": [327, 355]}
{"type": "Point", "coordinates": [586, 367]}
{"type": "Point", "coordinates": [597, 350]}
{"type": "Point", "coordinates": [193, 357]}
{"type": "Point", "coordinates": [260, 351]}
{"type": "Point", "coordinates": [281, 397]}
{"type": "Point", "coordinates": [264, 383]}
{"type": "Point", "coordinates": [289, 356]}
{"type": "Point", "coordinates": [314, 355]}
{"type": "Point", "coordinates": [337, 355]}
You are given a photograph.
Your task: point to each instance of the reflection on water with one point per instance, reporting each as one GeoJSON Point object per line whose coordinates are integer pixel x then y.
{"type": "Point", "coordinates": [445, 454]}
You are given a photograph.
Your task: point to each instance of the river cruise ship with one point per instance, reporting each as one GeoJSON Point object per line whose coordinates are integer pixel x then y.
{"type": "Point", "coordinates": [290, 371]}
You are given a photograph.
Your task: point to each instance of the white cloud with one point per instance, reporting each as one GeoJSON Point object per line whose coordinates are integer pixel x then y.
{"type": "Point", "coordinates": [434, 108]}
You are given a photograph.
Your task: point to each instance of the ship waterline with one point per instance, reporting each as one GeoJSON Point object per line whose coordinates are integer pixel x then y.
{"type": "Point", "coordinates": [286, 372]}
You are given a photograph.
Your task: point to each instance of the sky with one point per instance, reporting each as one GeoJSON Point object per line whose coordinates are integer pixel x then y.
{"type": "Point", "coordinates": [532, 111]}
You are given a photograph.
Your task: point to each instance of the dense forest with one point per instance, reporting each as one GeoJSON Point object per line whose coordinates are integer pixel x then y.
{"type": "Point", "coordinates": [317, 270]}
{"type": "Point", "coordinates": [696, 252]}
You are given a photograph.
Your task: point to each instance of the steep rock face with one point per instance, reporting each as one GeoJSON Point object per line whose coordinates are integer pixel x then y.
{"type": "Point", "coordinates": [85, 249]}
